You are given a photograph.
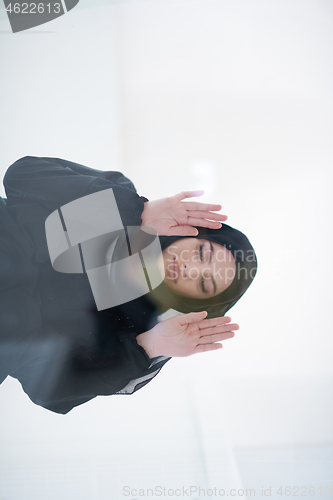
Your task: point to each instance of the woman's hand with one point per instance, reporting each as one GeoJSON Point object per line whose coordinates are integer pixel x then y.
{"type": "Point", "coordinates": [173, 217]}
{"type": "Point", "coordinates": [186, 334]}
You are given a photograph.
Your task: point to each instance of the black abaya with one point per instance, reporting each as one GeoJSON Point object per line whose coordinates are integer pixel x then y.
{"type": "Point", "coordinates": [53, 340]}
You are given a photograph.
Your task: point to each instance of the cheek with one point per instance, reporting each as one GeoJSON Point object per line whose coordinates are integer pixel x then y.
{"type": "Point", "coordinates": [186, 288]}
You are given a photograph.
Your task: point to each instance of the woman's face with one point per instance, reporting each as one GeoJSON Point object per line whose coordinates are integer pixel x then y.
{"type": "Point", "coordinates": [198, 268]}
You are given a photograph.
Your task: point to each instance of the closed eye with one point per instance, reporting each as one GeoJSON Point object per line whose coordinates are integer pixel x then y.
{"type": "Point", "coordinates": [201, 252]}
{"type": "Point", "coordinates": [202, 282]}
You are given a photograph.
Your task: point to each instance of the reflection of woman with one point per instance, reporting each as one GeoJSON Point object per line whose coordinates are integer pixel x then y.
{"type": "Point", "coordinates": [55, 342]}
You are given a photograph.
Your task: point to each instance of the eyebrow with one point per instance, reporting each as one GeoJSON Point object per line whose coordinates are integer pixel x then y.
{"type": "Point", "coordinates": [214, 285]}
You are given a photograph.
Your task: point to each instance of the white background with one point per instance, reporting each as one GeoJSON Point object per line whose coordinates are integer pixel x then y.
{"type": "Point", "coordinates": [231, 96]}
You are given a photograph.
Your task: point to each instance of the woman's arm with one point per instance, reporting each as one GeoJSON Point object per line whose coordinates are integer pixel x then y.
{"type": "Point", "coordinates": [186, 334]}
{"type": "Point", "coordinates": [53, 182]}
{"type": "Point", "coordinates": [59, 377]}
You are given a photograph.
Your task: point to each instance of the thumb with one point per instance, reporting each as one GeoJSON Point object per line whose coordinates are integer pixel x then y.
{"type": "Point", "coordinates": [183, 231]}
{"type": "Point", "coordinates": [192, 317]}
{"type": "Point", "coordinates": [189, 194]}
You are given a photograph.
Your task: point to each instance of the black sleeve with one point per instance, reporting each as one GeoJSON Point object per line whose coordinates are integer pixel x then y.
{"type": "Point", "coordinates": [59, 381]}
{"type": "Point", "coordinates": [53, 182]}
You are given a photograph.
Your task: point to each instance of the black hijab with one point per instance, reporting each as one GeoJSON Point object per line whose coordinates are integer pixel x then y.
{"type": "Point", "coordinates": [246, 267]}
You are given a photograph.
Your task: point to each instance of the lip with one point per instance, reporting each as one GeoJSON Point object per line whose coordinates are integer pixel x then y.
{"type": "Point", "coordinates": [173, 270]}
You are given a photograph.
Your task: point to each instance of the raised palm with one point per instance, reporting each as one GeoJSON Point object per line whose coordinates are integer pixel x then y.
{"type": "Point", "coordinates": [173, 217]}
{"type": "Point", "coordinates": [187, 334]}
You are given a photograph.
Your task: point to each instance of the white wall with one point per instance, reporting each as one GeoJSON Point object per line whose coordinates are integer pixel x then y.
{"type": "Point", "coordinates": [234, 96]}
{"type": "Point", "coordinates": [58, 90]}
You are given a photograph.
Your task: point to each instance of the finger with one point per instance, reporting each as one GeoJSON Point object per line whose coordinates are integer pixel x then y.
{"type": "Point", "coordinates": [208, 323]}
{"type": "Point", "coordinates": [206, 215]}
{"type": "Point", "coordinates": [193, 317]}
{"type": "Point", "coordinates": [210, 339]}
{"type": "Point", "coordinates": [207, 347]}
{"type": "Point", "coordinates": [230, 327]}
{"type": "Point", "coordinates": [189, 194]}
{"type": "Point", "coordinates": [207, 207]}
{"type": "Point", "coordinates": [203, 223]}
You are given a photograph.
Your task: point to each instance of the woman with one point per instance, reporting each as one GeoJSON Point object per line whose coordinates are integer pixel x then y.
{"type": "Point", "coordinates": [54, 340]}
